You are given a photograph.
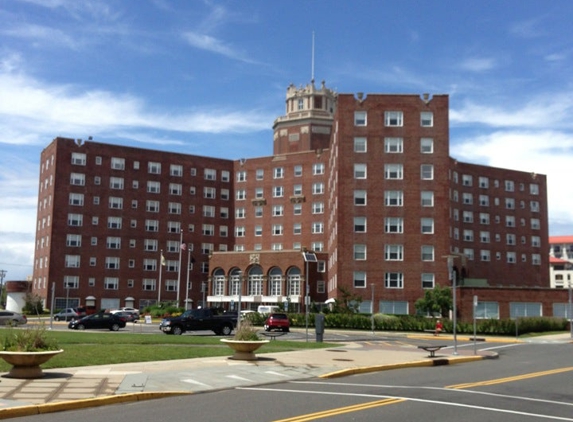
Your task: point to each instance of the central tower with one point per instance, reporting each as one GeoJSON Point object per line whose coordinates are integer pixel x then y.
{"type": "Point", "coordinates": [307, 124]}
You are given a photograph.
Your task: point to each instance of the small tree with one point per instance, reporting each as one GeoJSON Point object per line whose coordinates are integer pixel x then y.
{"type": "Point", "coordinates": [33, 304]}
{"type": "Point", "coordinates": [350, 303]}
{"type": "Point", "coordinates": [438, 300]}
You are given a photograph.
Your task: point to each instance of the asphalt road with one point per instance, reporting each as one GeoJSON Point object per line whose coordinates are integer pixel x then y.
{"type": "Point", "coordinates": [529, 382]}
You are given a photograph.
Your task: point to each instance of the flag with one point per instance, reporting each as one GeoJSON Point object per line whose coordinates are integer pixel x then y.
{"type": "Point", "coordinates": [183, 247]}
{"type": "Point", "coordinates": [163, 260]}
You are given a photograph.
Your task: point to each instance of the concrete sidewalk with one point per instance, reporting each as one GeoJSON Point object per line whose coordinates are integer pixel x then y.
{"type": "Point", "coordinates": [74, 388]}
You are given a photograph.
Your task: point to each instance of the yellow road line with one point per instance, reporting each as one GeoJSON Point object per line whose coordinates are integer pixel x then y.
{"type": "Point", "coordinates": [341, 410]}
{"type": "Point", "coordinates": [511, 379]}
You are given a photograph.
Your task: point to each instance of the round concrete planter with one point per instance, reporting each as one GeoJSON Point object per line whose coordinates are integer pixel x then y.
{"type": "Point", "coordinates": [244, 350]}
{"type": "Point", "coordinates": [26, 365]}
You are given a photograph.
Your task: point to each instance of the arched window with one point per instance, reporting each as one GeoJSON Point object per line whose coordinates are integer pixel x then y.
{"type": "Point", "coordinates": [275, 282]}
{"type": "Point", "coordinates": [218, 282]}
{"type": "Point", "coordinates": [235, 282]}
{"type": "Point", "coordinates": [293, 282]}
{"type": "Point", "coordinates": [255, 281]}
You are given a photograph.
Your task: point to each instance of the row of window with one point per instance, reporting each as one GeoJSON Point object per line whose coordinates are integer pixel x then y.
{"type": "Point", "coordinates": [395, 252]}
{"type": "Point", "coordinates": [484, 182]}
{"type": "Point", "coordinates": [280, 173]}
{"type": "Point", "coordinates": [394, 145]}
{"type": "Point", "coordinates": [394, 171]}
{"type": "Point", "coordinates": [483, 200]}
{"type": "Point", "coordinates": [175, 170]}
{"type": "Point", "coordinates": [394, 118]}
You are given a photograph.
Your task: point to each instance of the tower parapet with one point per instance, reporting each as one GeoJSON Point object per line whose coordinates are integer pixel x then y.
{"type": "Point", "coordinates": [307, 124]}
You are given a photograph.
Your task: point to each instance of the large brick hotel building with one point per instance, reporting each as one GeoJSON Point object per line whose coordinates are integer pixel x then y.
{"type": "Point", "coordinates": [366, 182]}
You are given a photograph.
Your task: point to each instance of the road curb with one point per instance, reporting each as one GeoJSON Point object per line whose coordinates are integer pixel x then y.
{"type": "Point", "coordinates": [38, 409]}
{"type": "Point", "coordinates": [412, 364]}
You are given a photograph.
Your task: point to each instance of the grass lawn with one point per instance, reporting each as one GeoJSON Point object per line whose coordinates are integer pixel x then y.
{"type": "Point", "coordinates": [83, 348]}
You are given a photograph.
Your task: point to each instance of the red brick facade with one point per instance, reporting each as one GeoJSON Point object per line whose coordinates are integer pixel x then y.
{"type": "Point", "coordinates": [367, 182]}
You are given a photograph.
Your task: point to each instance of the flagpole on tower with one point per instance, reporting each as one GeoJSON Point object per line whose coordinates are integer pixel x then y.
{"type": "Point", "coordinates": [181, 249]}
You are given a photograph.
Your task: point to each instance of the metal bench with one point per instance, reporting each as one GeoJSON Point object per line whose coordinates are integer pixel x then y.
{"type": "Point", "coordinates": [273, 334]}
{"type": "Point", "coordinates": [431, 349]}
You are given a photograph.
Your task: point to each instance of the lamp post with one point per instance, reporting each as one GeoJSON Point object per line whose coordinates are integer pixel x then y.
{"type": "Point", "coordinates": [239, 274]}
{"type": "Point", "coordinates": [308, 256]}
{"type": "Point", "coordinates": [2, 275]}
{"type": "Point", "coordinates": [570, 310]}
{"type": "Point", "coordinates": [452, 276]}
{"type": "Point", "coordinates": [372, 308]}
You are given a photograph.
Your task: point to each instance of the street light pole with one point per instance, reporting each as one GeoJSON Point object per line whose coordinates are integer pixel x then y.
{"type": "Point", "coordinates": [570, 311]}
{"type": "Point", "coordinates": [453, 277]}
{"type": "Point", "coordinates": [372, 308]}
{"type": "Point", "coordinates": [239, 274]}
{"type": "Point", "coordinates": [308, 256]}
{"type": "Point", "coordinates": [2, 275]}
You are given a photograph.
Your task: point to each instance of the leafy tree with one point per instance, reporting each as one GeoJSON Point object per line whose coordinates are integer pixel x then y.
{"type": "Point", "coordinates": [33, 304]}
{"type": "Point", "coordinates": [438, 300]}
{"type": "Point", "coordinates": [350, 303]}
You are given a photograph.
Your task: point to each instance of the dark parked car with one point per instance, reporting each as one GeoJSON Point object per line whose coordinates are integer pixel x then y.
{"type": "Point", "coordinates": [128, 315]}
{"type": "Point", "coordinates": [100, 320]}
{"type": "Point", "coordinates": [12, 318]}
{"type": "Point", "coordinates": [277, 321]}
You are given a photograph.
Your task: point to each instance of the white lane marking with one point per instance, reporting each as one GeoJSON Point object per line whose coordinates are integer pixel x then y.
{"type": "Point", "coordinates": [504, 346]}
{"type": "Point", "coordinates": [276, 373]}
{"type": "Point", "coordinates": [413, 387]}
{"type": "Point", "coordinates": [376, 396]}
{"type": "Point", "coordinates": [190, 381]}
{"type": "Point", "coordinates": [238, 378]}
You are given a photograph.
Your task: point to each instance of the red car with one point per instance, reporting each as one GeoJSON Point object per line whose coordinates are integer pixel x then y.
{"type": "Point", "coordinates": [277, 321]}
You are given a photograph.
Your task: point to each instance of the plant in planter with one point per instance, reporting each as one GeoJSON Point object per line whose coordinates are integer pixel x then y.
{"type": "Point", "coordinates": [245, 342]}
{"type": "Point", "coordinates": [26, 350]}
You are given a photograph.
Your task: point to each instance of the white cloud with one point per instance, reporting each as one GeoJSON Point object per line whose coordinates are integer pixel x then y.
{"type": "Point", "coordinates": [212, 44]}
{"type": "Point", "coordinates": [29, 107]}
{"type": "Point", "coordinates": [548, 110]}
{"type": "Point", "coordinates": [476, 64]}
{"type": "Point", "coordinates": [40, 35]}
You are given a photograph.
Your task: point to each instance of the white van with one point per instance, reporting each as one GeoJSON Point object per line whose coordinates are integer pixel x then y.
{"type": "Point", "coordinates": [267, 309]}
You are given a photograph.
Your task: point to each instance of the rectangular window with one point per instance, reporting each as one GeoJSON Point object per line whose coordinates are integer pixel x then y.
{"type": "Point", "coordinates": [359, 252]}
{"type": "Point", "coordinates": [427, 171]}
{"type": "Point", "coordinates": [360, 118]}
{"type": "Point", "coordinates": [427, 198]}
{"type": "Point", "coordinates": [359, 279]}
{"type": "Point", "coordinates": [360, 144]}
{"type": "Point", "coordinates": [278, 192]}
{"type": "Point", "coordinates": [278, 173]}
{"type": "Point", "coordinates": [210, 174]}
{"type": "Point", "coordinates": [297, 171]}
{"type": "Point", "coordinates": [318, 188]}
{"type": "Point", "coordinates": [427, 225]}
{"type": "Point", "coordinates": [117, 163]}
{"type": "Point", "coordinates": [317, 169]}
{"type": "Point", "coordinates": [359, 224]}
{"type": "Point", "coordinates": [427, 145]}
{"type": "Point", "coordinates": [152, 206]}
{"type": "Point", "coordinates": [76, 199]}
{"type": "Point", "coordinates": [360, 197]}
{"type": "Point", "coordinates": [426, 119]}
{"type": "Point", "coordinates": [427, 281]}
{"type": "Point", "coordinates": [209, 193]}
{"type": "Point", "coordinates": [153, 187]}
{"type": "Point", "coordinates": [394, 280]}
{"type": "Point", "coordinates": [393, 252]}
{"type": "Point", "coordinates": [393, 198]}
{"type": "Point", "coordinates": [427, 253]}
{"type": "Point", "coordinates": [77, 179]}
{"type": "Point", "coordinates": [78, 159]}
{"type": "Point", "coordinates": [175, 189]}
{"type": "Point", "coordinates": [393, 145]}
{"type": "Point", "coordinates": [278, 210]}
{"type": "Point", "coordinates": [393, 225]}
{"type": "Point", "coordinates": [393, 118]}
{"type": "Point", "coordinates": [317, 228]}
{"type": "Point", "coordinates": [360, 171]}
{"type": "Point", "coordinates": [393, 171]}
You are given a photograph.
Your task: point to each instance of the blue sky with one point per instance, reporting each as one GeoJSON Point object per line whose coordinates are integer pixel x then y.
{"type": "Point", "coordinates": [209, 77]}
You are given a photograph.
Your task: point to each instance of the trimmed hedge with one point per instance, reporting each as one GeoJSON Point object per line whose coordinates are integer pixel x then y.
{"type": "Point", "coordinates": [382, 322]}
